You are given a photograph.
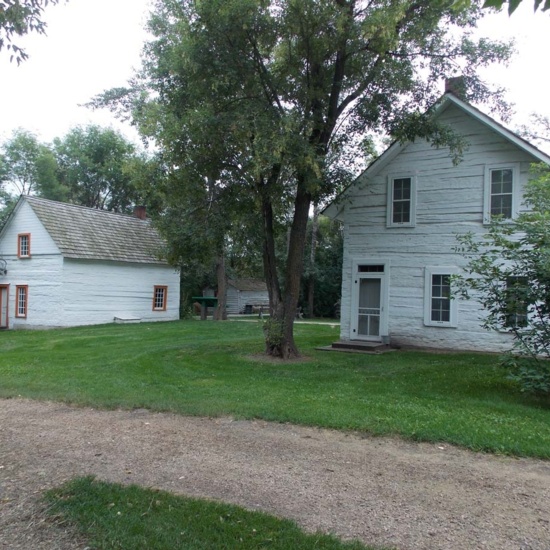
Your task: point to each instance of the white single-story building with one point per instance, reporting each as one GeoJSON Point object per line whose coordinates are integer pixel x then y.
{"type": "Point", "coordinates": [64, 265]}
{"type": "Point", "coordinates": [246, 292]}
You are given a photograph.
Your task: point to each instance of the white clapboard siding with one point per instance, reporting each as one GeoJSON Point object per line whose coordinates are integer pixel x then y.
{"type": "Point", "coordinates": [243, 292]}
{"type": "Point", "coordinates": [449, 201]}
{"type": "Point", "coordinates": [96, 292]}
{"type": "Point", "coordinates": [42, 275]}
{"type": "Point", "coordinates": [24, 220]}
{"type": "Point", "coordinates": [232, 300]}
{"type": "Point", "coordinates": [238, 299]}
{"type": "Point", "coordinates": [41, 272]}
{"type": "Point", "coordinates": [68, 291]}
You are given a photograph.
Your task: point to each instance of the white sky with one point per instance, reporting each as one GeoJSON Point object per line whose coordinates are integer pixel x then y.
{"type": "Point", "coordinates": [94, 45]}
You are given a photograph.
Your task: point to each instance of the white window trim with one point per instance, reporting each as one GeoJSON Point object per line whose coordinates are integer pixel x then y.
{"type": "Point", "coordinates": [389, 212]}
{"type": "Point", "coordinates": [516, 198]}
{"type": "Point", "coordinates": [428, 272]}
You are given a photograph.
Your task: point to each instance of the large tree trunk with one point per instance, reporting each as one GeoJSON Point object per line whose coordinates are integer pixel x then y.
{"type": "Point", "coordinates": [220, 313]}
{"type": "Point", "coordinates": [279, 330]}
{"type": "Point", "coordinates": [269, 258]}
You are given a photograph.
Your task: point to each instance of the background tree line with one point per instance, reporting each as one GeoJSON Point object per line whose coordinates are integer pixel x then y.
{"type": "Point", "coordinates": [99, 168]}
{"type": "Point", "coordinates": [90, 166]}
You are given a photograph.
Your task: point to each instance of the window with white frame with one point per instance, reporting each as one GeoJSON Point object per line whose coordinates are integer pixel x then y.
{"type": "Point", "coordinates": [501, 188]}
{"type": "Point", "coordinates": [21, 300]}
{"type": "Point", "coordinates": [160, 295]}
{"type": "Point", "coordinates": [24, 245]}
{"type": "Point", "coordinates": [440, 309]}
{"type": "Point", "coordinates": [401, 201]}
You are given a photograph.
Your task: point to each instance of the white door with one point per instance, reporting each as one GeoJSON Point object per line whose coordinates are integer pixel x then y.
{"type": "Point", "coordinates": [369, 308]}
{"type": "Point", "coordinates": [368, 318]}
{"type": "Point", "coordinates": [4, 306]}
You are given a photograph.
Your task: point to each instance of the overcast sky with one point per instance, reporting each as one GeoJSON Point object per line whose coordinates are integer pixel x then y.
{"type": "Point", "coordinates": [94, 45]}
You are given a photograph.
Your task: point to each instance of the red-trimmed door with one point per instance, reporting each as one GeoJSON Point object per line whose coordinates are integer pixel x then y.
{"type": "Point", "coordinates": [4, 295]}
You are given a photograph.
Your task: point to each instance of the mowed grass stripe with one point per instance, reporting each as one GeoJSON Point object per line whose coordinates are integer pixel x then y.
{"type": "Point", "coordinates": [215, 369]}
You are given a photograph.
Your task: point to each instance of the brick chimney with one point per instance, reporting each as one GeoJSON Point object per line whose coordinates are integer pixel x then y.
{"type": "Point", "coordinates": [456, 85]}
{"type": "Point", "coordinates": [140, 212]}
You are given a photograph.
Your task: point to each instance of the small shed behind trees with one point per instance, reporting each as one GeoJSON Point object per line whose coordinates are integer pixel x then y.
{"type": "Point", "coordinates": [246, 292]}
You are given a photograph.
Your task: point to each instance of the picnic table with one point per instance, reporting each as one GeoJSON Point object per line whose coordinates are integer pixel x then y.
{"type": "Point", "coordinates": [205, 302]}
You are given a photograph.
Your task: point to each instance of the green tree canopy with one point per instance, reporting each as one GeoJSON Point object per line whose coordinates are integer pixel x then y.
{"type": "Point", "coordinates": [325, 272]}
{"type": "Point", "coordinates": [509, 273]}
{"type": "Point", "coordinates": [7, 202]}
{"type": "Point", "coordinates": [23, 161]}
{"type": "Point", "coordinates": [90, 166]}
{"type": "Point", "coordinates": [513, 4]}
{"type": "Point", "coordinates": [274, 94]}
{"type": "Point", "coordinates": [499, 4]}
{"type": "Point", "coordinates": [538, 129]}
{"type": "Point", "coordinates": [17, 18]}
{"type": "Point", "coordinates": [95, 166]}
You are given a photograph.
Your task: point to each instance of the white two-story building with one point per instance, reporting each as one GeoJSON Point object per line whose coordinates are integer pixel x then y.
{"type": "Point", "coordinates": [401, 218]}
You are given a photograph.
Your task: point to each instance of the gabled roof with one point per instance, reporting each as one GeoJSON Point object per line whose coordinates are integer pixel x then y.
{"type": "Point", "coordinates": [251, 285]}
{"type": "Point", "coordinates": [90, 234]}
{"type": "Point", "coordinates": [450, 99]}
{"type": "Point", "coordinates": [334, 209]}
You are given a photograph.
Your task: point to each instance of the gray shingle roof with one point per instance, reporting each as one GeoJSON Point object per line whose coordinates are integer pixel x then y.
{"type": "Point", "coordinates": [87, 233]}
{"type": "Point", "coordinates": [254, 285]}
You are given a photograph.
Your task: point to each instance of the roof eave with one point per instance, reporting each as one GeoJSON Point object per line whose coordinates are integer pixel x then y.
{"type": "Point", "coordinates": [11, 215]}
{"type": "Point", "coordinates": [336, 208]}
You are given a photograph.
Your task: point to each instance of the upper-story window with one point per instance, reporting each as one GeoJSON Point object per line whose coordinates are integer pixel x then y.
{"type": "Point", "coordinates": [501, 188]}
{"type": "Point", "coordinates": [24, 245]}
{"type": "Point", "coordinates": [401, 201]}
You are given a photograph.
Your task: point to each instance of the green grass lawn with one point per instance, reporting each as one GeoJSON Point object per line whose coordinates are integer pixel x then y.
{"type": "Point", "coordinates": [112, 517]}
{"type": "Point", "coordinates": [207, 368]}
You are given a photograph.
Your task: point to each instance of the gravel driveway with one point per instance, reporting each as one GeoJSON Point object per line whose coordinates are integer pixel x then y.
{"type": "Point", "coordinates": [382, 491]}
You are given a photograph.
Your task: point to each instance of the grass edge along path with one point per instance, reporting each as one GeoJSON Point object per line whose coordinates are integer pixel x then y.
{"type": "Point", "coordinates": [111, 517]}
{"type": "Point", "coordinates": [217, 369]}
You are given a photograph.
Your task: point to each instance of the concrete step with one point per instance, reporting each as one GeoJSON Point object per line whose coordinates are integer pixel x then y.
{"type": "Point", "coordinates": [357, 346]}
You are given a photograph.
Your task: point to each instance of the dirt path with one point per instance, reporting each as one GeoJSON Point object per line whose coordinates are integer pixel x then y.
{"type": "Point", "coordinates": [382, 491]}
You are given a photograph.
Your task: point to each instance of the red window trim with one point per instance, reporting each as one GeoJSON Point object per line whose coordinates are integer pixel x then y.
{"type": "Point", "coordinates": [165, 301]}
{"type": "Point", "coordinates": [28, 235]}
{"type": "Point", "coordinates": [17, 314]}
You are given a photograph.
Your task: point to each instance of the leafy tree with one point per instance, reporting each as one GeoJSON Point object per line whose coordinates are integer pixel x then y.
{"type": "Point", "coordinates": [7, 203]}
{"type": "Point", "coordinates": [17, 18]}
{"type": "Point", "coordinates": [95, 168]}
{"type": "Point", "coordinates": [509, 273]}
{"type": "Point", "coordinates": [325, 272]}
{"type": "Point", "coordinates": [538, 129]}
{"type": "Point", "coordinates": [499, 4]}
{"type": "Point", "coordinates": [48, 185]}
{"type": "Point", "coordinates": [275, 93]}
{"type": "Point", "coordinates": [19, 157]}
{"type": "Point", "coordinates": [196, 231]}
{"type": "Point", "coordinates": [90, 166]}
{"type": "Point", "coordinates": [513, 4]}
